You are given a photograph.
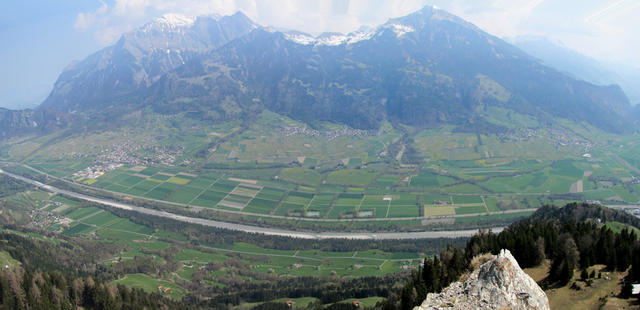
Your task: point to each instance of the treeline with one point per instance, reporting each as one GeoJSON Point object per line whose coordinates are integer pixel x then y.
{"type": "Point", "coordinates": [71, 278]}
{"type": "Point", "coordinates": [198, 234]}
{"type": "Point", "coordinates": [567, 244]}
{"type": "Point", "coordinates": [572, 237]}
{"type": "Point", "coordinates": [75, 258]}
{"type": "Point", "coordinates": [579, 212]}
{"type": "Point", "coordinates": [437, 273]}
{"type": "Point", "coordinates": [63, 274]}
{"type": "Point", "coordinates": [328, 290]}
{"type": "Point", "coordinates": [28, 289]}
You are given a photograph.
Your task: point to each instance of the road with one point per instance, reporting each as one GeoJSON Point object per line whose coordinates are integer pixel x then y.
{"type": "Point", "coordinates": [255, 229]}
{"type": "Point", "coordinates": [280, 217]}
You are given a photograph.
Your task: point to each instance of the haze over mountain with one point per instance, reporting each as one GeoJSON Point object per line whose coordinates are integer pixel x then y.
{"type": "Point", "coordinates": [425, 69]}
{"type": "Point", "coordinates": [581, 66]}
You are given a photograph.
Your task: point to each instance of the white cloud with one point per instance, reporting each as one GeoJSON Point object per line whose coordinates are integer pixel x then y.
{"type": "Point", "coordinates": [110, 20]}
{"type": "Point", "coordinates": [601, 29]}
{"type": "Point", "coordinates": [87, 20]}
{"type": "Point", "coordinates": [590, 26]}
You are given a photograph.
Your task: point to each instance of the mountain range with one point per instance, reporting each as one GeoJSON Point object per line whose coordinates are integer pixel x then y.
{"type": "Point", "coordinates": [426, 69]}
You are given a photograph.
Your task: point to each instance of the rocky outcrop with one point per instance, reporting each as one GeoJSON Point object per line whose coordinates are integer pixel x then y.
{"type": "Point", "coordinates": [21, 122]}
{"type": "Point", "coordinates": [499, 283]}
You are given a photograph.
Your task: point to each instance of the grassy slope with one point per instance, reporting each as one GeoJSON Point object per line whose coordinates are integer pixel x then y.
{"type": "Point", "coordinates": [587, 298]}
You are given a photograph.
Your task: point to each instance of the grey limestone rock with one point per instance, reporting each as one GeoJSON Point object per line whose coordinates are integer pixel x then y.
{"type": "Point", "coordinates": [497, 284]}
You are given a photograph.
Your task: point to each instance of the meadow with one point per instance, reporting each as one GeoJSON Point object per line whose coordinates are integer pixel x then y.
{"type": "Point", "coordinates": [441, 188]}
{"type": "Point", "coordinates": [283, 168]}
{"type": "Point", "coordinates": [141, 243]}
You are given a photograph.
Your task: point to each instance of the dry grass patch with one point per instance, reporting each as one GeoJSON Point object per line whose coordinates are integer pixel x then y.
{"type": "Point", "coordinates": [540, 272]}
{"type": "Point", "coordinates": [589, 297]}
{"type": "Point", "coordinates": [243, 180]}
{"type": "Point", "coordinates": [178, 181]}
{"type": "Point", "coordinates": [244, 191]}
{"type": "Point", "coordinates": [433, 210]}
{"type": "Point", "coordinates": [478, 260]}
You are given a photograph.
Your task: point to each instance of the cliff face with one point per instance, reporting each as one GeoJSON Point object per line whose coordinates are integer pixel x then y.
{"type": "Point", "coordinates": [22, 122]}
{"type": "Point", "coordinates": [497, 284]}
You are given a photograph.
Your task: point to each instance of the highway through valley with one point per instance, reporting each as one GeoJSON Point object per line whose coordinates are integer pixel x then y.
{"type": "Point", "coordinates": [254, 229]}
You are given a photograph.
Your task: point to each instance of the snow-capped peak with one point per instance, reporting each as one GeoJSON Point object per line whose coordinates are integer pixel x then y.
{"type": "Point", "coordinates": [169, 23]}
{"type": "Point", "coordinates": [331, 39]}
{"type": "Point", "coordinates": [400, 29]}
{"type": "Point", "coordinates": [298, 37]}
{"type": "Point", "coordinates": [176, 20]}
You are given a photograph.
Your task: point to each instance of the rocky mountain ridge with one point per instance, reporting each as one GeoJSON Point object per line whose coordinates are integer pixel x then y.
{"type": "Point", "coordinates": [20, 122]}
{"type": "Point", "coordinates": [426, 69]}
{"type": "Point", "coordinates": [499, 283]}
{"type": "Point", "coordinates": [119, 74]}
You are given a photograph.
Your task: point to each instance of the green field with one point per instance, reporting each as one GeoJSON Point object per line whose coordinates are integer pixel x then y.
{"type": "Point", "coordinates": [78, 229]}
{"type": "Point", "coordinates": [101, 219]}
{"type": "Point", "coordinates": [7, 260]}
{"type": "Point", "coordinates": [150, 284]}
{"type": "Point", "coordinates": [185, 194]}
{"type": "Point", "coordinates": [83, 212]}
{"type": "Point", "coordinates": [290, 209]}
{"type": "Point", "coordinates": [308, 175]}
{"type": "Point", "coordinates": [142, 240]}
{"type": "Point", "coordinates": [386, 181]}
{"type": "Point", "coordinates": [351, 177]}
{"type": "Point", "coordinates": [471, 209]}
{"type": "Point", "coordinates": [617, 227]}
{"type": "Point", "coordinates": [327, 177]}
{"type": "Point", "coordinates": [429, 179]}
{"type": "Point", "coordinates": [301, 175]}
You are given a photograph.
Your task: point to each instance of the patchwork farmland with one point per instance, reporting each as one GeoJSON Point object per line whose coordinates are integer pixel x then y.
{"type": "Point", "coordinates": [75, 219]}
{"type": "Point", "coordinates": [348, 180]}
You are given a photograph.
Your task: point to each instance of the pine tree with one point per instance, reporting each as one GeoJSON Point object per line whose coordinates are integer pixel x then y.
{"type": "Point", "coordinates": [584, 275]}
{"type": "Point", "coordinates": [437, 274]}
{"type": "Point", "coordinates": [428, 275]}
{"type": "Point", "coordinates": [566, 272]}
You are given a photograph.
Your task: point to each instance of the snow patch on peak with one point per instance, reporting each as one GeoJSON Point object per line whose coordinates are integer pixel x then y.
{"type": "Point", "coordinates": [329, 39]}
{"type": "Point", "coordinates": [300, 38]}
{"type": "Point", "coordinates": [360, 36]}
{"type": "Point", "coordinates": [176, 20]}
{"type": "Point", "coordinates": [169, 23]}
{"type": "Point", "coordinates": [401, 30]}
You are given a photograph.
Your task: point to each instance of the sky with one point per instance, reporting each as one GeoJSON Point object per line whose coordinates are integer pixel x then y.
{"type": "Point", "coordinates": [41, 37]}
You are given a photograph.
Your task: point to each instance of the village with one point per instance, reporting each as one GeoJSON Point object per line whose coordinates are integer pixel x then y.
{"type": "Point", "coordinates": [557, 137]}
{"type": "Point", "coordinates": [330, 135]}
{"type": "Point", "coordinates": [131, 153]}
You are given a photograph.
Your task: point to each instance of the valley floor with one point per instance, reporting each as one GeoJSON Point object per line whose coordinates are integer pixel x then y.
{"type": "Point", "coordinates": [255, 229]}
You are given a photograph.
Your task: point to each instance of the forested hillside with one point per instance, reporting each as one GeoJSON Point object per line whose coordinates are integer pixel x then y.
{"type": "Point", "coordinates": [63, 276]}
{"type": "Point", "coordinates": [572, 238]}
{"type": "Point", "coordinates": [207, 268]}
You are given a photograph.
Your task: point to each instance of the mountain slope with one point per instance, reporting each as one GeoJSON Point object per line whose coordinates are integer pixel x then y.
{"type": "Point", "coordinates": [117, 74]}
{"type": "Point", "coordinates": [580, 66]}
{"type": "Point", "coordinates": [20, 122]}
{"type": "Point", "coordinates": [425, 69]}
